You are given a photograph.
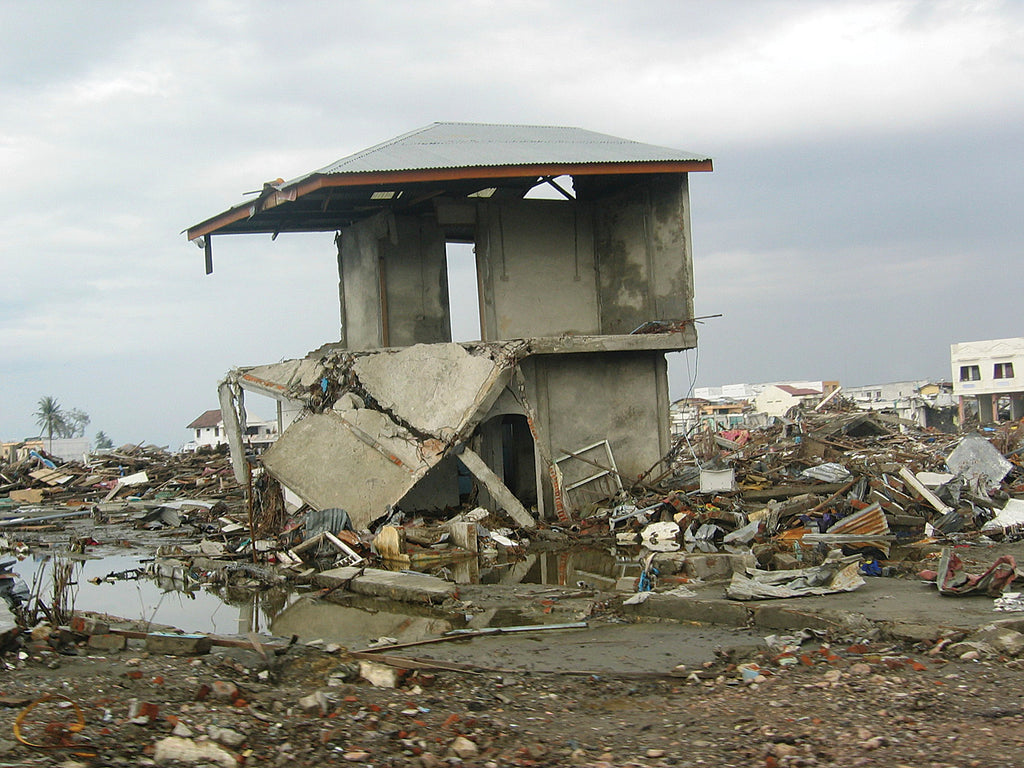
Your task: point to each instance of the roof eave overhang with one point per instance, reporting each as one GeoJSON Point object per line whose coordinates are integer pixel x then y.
{"type": "Point", "coordinates": [313, 182]}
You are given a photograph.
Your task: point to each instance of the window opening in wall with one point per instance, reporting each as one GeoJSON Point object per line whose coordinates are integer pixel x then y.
{"type": "Point", "coordinates": [1003, 371]}
{"type": "Point", "coordinates": [970, 373]}
{"type": "Point", "coordinates": [463, 292]}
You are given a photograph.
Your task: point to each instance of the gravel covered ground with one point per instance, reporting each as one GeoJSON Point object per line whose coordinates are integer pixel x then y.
{"type": "Point", "coordinates": [819, 706]}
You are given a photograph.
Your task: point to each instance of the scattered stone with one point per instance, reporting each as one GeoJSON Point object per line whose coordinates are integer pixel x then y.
{"type": "Point", "coordinates": [463, 748]}
{"type": "Point", "coordinates": [225, 736]}
{"type": "Point", "coordinates": [142, 712]}
{"type": "Point", "coordinates": [182, 731]}
{"type": "Point", "coordinates": [316, 703]}
{"type": "Point", "coordinates": [175, 749]}
{"type": "Point", "coordinates": [379, 675]}
{"type": "Point", "coordinates": [224, 690]}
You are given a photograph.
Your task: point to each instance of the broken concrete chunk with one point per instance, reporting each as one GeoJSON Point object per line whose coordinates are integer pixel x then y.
{"type": "Point", "coordinates": [406, 587]}
{"type": "Point", "coordinates": [976, 460]}
{"type": "Point", "coordinates": [374, 462]}
{"type": "Point", "coordinates": [178, 645]}
{"type": "Point", "coordinates": [379, 675]}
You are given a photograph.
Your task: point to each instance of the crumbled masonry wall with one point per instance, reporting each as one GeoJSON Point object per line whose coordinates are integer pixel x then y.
{"type": "Point", "coordinates": [379, 423]}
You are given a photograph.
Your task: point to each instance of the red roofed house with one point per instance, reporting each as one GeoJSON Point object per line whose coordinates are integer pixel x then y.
{"type": "Point", "coordinates": [208, 431]}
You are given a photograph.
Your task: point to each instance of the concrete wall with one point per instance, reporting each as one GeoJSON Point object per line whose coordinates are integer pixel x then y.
{"type": "Point", "coordinates": [583, 398]}
{"type": "Point", "coordinates": [535, 262]}
{"type": "Point", "coordinates": [642, 244]}
{"type": "Point", "coordinates": [359, 284]}
{"type": "Point", "coordinates": [605, 264]}
{"type": "Point", "coordinates": [414, 273]}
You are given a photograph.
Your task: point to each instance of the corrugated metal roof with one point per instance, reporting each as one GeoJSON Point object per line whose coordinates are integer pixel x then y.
{"type": "Point", "coordinates": [443, 153]}
{"type": "Point", "coordinates": [471, 145]}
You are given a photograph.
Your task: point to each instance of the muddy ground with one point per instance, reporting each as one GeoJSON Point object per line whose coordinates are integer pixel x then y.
{"type": "Point", "coordinates": [623, 691]}
{"type": "Point", "coordinates": [610, 695]}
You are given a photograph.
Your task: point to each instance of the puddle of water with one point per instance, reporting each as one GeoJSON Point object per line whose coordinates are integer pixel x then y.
{"type": "Point", "coordinates": [361, 620]}
{"type": "Point", "coordinates": [353, 621]}
{"type": "Point", "coordinates": [205, 609]}
{"type": "Point", "coordinates": [596, 568]}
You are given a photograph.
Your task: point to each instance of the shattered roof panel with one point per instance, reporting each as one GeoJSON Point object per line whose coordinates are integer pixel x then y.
{"type": "Point", "coordinates": [471, 145]}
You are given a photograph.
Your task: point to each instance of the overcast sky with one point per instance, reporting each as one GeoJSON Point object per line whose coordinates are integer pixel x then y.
{"type": "Point", "coordinates": [864, 212]}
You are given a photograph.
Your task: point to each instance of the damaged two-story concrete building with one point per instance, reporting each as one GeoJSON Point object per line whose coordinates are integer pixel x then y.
{"type": "Point", "coordinates": [566, 391]}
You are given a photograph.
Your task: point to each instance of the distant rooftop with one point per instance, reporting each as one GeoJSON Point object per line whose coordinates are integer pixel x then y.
{"type": "Point", "coordinates": [797, 391]}
{"type": "Point", "coordinates": [207, 420]}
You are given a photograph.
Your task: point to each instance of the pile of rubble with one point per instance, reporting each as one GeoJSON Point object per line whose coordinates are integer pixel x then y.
{"type": "Point", "coordinates": [138, 471]}
{"type": "Point", "coordinates": [849, 487]}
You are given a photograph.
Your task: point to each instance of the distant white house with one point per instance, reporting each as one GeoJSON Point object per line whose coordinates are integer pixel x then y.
{"type": "Point", "coordinates": [208, 432]}
{"type": "Point", "coordinates": [992, 374]}
{"type": "Point", "coordinates": [777, 399]}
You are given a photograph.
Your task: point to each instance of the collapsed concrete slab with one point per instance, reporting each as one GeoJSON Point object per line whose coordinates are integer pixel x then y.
{"type": "Point", "coordinates": [375, 423]}
{"type": "Point", "coordinates": [359, 460]}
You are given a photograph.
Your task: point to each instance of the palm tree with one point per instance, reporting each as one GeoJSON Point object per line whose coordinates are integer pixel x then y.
{"type": "Point", "coordinates": [50, 417]}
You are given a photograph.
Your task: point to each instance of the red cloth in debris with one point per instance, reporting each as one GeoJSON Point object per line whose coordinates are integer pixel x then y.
{"type": "Point", "coordinates": [951, 579]}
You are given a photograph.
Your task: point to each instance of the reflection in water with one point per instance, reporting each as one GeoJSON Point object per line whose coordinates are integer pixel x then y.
{"type": "Point", "coordinates": [593, 568]}
{"type": "Point", "coordinates": [175, 602]}
{"type": "Point", "coordinates": [360, 621]}
{"type": "Point", "coordinates": [177, 599]}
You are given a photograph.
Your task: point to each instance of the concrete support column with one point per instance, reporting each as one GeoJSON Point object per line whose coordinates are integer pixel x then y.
{"type": "Point", "coordinates": [1017, 406]}
{"type": "Point", "coordinates": [986, 406]}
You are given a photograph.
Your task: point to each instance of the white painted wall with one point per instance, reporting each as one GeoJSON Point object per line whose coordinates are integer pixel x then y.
{"type": "Point", "coordinates": [982, 357]}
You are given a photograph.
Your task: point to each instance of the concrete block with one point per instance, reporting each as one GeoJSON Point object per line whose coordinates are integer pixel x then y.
{"type": "Point", "coordinates": [175, 749]}
{"type": "Point", "coordinates": [404, 587]}
{"type": "Point", "coordinates": [915, 633]}
{"type": "Point", "coordinates": [380, 675]}
{"type": "Point", "coordinates": [676, 608]}
{"type": "Point", "coordinates": [717, 566]}
{"type": "Point", "coordinates": [178, 645]}
{"type": "Point", "coordinates": [780, 617]}
{"type": "Point", "coordinates": [316, 703]}
{"type": "Point", "coordinates": [107, 642]}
